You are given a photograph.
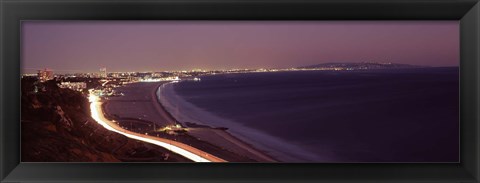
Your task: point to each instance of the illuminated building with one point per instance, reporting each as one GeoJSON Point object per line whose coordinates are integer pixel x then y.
{"type": "Point", "coordinates": [77, 86]}
{"type": "Point", "coordinates": [45, 75]}
{"type": "Point", "coordinates": [103, 72]}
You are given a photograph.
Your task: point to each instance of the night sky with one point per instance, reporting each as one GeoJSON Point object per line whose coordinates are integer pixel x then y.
{"type": "Point", "coordinates": [86, 46]}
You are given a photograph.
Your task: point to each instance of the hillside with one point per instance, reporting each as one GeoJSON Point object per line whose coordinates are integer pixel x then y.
{"type": "Point", "coordinates": [56, 126]}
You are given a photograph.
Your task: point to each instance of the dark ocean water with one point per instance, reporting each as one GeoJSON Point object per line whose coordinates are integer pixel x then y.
{"type": "Point", "coordinates": [409, 115]}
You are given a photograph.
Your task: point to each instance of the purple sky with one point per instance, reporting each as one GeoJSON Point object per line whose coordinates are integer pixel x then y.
{"type": "Point", "coordinates": [85, 46]}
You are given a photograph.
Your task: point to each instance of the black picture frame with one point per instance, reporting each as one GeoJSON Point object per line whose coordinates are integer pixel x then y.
{"type": "Point", "coordinates": [14, 11]}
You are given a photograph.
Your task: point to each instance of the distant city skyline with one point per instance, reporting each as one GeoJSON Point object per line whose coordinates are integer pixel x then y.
{"type": "Point", "coordinates": [87, 46]}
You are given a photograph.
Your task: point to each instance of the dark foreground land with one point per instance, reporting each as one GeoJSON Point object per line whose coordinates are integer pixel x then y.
{"type": "Point", "coordinates": [56, 127]}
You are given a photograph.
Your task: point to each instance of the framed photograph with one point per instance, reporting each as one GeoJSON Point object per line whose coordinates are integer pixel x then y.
{"type": "Point", "coordinates": [239, 91]}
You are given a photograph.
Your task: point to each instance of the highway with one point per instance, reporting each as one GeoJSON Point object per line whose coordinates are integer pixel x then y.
{"type": "Point", "coordinates": [185, 150]}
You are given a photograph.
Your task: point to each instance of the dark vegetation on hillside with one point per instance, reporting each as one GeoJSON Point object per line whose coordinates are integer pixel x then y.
{"type": "Point", "coordinates": [56, 126]}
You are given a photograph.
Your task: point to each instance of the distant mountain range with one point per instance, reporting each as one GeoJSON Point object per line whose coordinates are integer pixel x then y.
{"type": "Point", "coordinates": [360, 66]}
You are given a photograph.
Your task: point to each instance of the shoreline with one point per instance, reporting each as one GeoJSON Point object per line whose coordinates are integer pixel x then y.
{"type": "Point", "coordinates": [162, 107]}
{"type": "Point", "coordinates": [274, 147]}
{"type": "Point", "coordinates": [209, 139]}
{"type": "Point", "coordinates": [219, 131]}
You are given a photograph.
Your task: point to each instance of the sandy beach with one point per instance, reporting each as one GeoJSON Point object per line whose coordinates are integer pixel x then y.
{"type": "Point", "coordinates": [139, 110]}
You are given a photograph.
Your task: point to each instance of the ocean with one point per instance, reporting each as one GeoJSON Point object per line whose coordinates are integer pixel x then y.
{"type": "Point", "coordinates": [405, 115]}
